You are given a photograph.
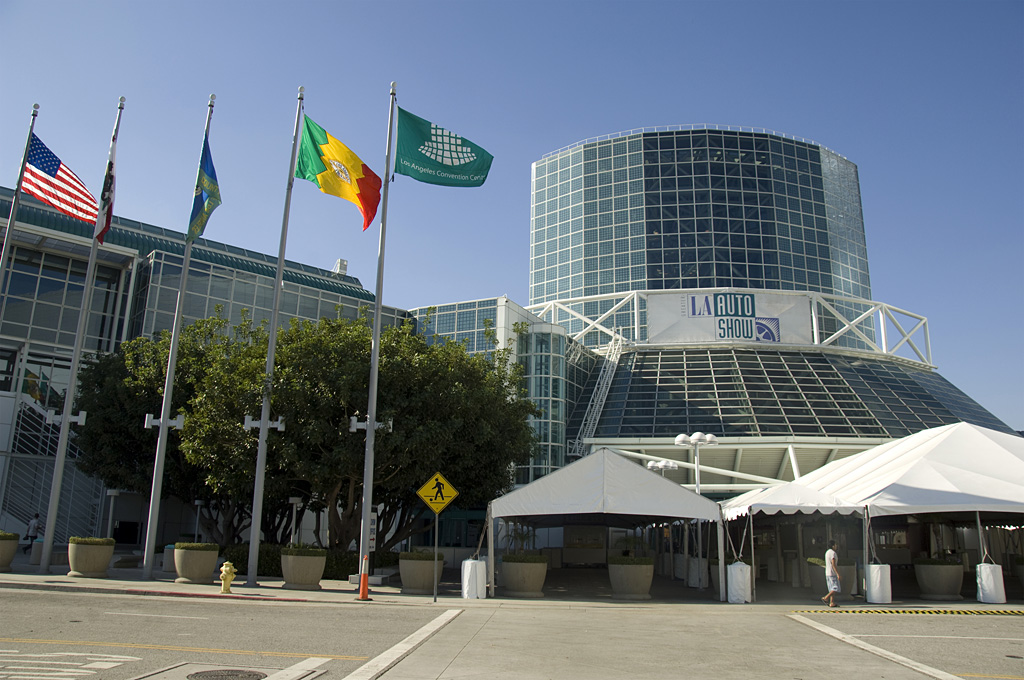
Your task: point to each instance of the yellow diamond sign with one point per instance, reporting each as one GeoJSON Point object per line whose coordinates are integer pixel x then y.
{"type": "Point", "coordinates": [437, 492]}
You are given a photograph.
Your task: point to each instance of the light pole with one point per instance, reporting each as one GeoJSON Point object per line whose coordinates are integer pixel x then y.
{"type": "Point", "coordinates": [696, 440]}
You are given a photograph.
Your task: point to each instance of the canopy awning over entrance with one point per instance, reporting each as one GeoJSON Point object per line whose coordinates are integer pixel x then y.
{"type": "Point", "coordinates": [953, 468]}
{"type": "Point", "coordinates": [606, 489]}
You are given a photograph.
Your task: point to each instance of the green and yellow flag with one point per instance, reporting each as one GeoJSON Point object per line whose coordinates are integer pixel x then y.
{"type": "Point", "coordinates": [332, 166]}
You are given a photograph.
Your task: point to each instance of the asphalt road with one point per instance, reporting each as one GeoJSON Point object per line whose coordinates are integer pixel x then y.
{"type": "Point", "coordinates": [70, 635]}
{"type": "Point", "coordinates": [141, 635]}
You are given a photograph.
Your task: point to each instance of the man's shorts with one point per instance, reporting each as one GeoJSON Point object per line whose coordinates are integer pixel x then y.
{"type": "Point", "coordinates": [833, 583]}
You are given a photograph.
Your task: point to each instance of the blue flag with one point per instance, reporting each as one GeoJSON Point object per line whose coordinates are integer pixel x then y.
{"type": "Point", "coordinates": [207, 194]}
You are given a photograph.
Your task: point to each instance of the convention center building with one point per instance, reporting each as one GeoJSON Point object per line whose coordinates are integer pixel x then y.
{"type": "Point", "coordinates": [682, 280]}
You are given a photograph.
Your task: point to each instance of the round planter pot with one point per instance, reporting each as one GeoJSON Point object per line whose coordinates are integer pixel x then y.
{"type": "Point", "coordinates": [303, 572]}
{"type": "Point", "coordinates": [524, 579]}
{"type": "Point", "coordinates": [631, 581]}
{"type": "Point", "coordinates": [89, 561]}
{"type": "Point", "coordinates": [418, 576]}
{"type": "Point", "coordinates": [939, 581]}
{"type": "Point", "coordinates": [195, 566]}
{"type": "Point", "coordinates": [7, 551]}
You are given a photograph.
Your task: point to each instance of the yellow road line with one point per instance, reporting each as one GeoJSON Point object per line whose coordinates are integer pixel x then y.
{"type": "Point", "coordinates": [174, 648]}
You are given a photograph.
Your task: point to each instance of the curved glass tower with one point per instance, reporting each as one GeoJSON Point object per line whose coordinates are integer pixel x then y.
{"type": "Point", "coordinates": [696, 208]}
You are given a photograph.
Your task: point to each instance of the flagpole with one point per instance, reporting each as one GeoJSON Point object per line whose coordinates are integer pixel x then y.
{"type": "Point", "coordinates": [164, 423]}
{"type": "Point", "coordinates": [5, 248]}
{"type": "Point", "coordinates": [371, 410]}
{"type": "Point", "coordinates": [261, 452]}
{"type": "Point", "coordinates": [76, 355]}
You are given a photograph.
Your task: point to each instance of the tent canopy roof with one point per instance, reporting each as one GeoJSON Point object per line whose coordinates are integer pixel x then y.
{"type": "Point", "coordinates": [606, 489]}
{"type": "Point", "coordinates": [953, 468]}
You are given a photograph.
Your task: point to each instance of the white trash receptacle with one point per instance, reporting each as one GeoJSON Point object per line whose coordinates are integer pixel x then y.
{"type": "Point", "coordinates": [698, 567]}
{"type": "Point", "coordinates": [990, 584]}
{"type": "Point", "coordinates": [878, 582]}
{"type": "Point", "coordinates": [474, 579]}
{"type": "Point", "coordinates": [168, 563]}
{"type": "Point", "coordinates": [739, 583]}
{"type": "Point", "coordinates": [679, 566]}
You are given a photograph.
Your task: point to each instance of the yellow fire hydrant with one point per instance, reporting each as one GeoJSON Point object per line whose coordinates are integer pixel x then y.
{"type": "Point", "coordinates": [227, 575]}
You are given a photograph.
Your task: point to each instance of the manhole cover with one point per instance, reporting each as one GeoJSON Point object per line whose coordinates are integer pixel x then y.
{"type": "Point", "coordinates": [226, 674]}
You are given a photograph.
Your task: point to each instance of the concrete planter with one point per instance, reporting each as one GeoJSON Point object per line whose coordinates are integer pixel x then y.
{"type": "Point", "coordinates": [7, 551]}
{"type": "Point", "coordinates": [89, 561]}
{"type": "Point", "coordinates": [418, 576]}
{"type": "Point", "coordinates": [939, 581]}
{"type": "Point", "coordinates": [524, 579]}
{"type": "Point", "coordinates": [195, 566]}
{"type": "Point", "coordinates": [303, 572]}
{"type": "Point", "coordinates": [631, 581]}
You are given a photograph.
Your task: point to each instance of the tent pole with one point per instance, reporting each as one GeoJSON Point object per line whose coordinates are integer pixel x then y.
{"type": "Point", "coordinates": [491, 555]}
{"type": "Point", "coordinates": [800, 553]}
{"type": "Point", "coordinates": [700, 555]}
{"type": "Point", "coordinates": [867, 536]}
{"type": "Point", "coordinates": [671, 552]}
{"type": "Point", "coordinates": [721, 556]}
{"type": "Point", "coordinates": [753, 561]}
{"type": "Point", "coordinates": [781, 573]}
{"type": "Point", "coordinates": [982, 548]}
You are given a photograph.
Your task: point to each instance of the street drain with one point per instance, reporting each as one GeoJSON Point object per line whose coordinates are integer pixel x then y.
{"type": "Point", "coordinates": [226, 674]}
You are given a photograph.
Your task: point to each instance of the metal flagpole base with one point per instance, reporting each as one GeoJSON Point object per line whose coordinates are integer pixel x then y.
{"type": "Point", "coordinates": [364, 580]}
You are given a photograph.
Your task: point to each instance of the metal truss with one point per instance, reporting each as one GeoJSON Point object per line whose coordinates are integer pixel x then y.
{"type": "Point", "coordinates": [882, 328]}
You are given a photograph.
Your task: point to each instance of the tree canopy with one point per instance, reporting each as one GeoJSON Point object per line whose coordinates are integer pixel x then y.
{"type": "Point", "coordinates": [466, 415]}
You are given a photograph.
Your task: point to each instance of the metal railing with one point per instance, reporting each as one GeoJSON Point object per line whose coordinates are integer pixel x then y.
{"type": "Point", "coordinates": [596, 405]}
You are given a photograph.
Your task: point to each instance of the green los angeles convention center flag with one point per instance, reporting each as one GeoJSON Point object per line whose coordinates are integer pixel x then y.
{"type": "Point", "coordinates": [431, 154]}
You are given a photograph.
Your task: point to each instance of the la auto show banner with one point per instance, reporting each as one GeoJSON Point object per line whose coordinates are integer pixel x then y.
{"type": "Point", "coordinates": [728, 317]}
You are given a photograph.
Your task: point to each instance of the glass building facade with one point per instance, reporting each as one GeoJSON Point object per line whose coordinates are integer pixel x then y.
{"type": "Point", "coordinates": [697, 208]}
{"type": "Point", "coordinates": [555, 367]}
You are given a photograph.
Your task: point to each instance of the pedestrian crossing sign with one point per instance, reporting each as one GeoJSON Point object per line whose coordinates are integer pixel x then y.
{"type": "Point", "coordinates": [437, 493]}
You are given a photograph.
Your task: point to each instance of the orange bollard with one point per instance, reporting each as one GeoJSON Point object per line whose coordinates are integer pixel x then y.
{"type": "Point", "coordinates": [364, 579]}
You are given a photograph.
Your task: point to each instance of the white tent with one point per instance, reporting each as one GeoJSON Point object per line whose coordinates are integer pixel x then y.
{"type": "Point", "coordinates": [953, 468]}
{"type": "Point", "coordinates": [605, 489]}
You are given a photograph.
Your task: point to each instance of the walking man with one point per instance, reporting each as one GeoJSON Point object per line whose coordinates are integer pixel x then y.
{"type": "Point", "coordinates": [831, 575]}
{"type": "Point", "coordinates": [32, 533]}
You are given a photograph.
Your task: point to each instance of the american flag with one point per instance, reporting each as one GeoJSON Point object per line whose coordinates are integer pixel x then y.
{"type": "Point", "coordinates": [52, 182]}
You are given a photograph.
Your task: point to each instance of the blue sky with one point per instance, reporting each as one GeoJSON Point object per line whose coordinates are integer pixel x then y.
{"type": "Point", "coordinates": [927, 98]}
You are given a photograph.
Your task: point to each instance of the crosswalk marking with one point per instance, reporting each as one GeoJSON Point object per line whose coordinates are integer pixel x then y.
{"type": "Point", "coordinates": [57, 665]}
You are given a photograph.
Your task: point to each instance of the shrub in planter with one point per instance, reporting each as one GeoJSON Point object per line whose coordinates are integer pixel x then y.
{"type": "Point", "coordinates": [195, 562]}
{"type": "Point", "coordinates": [523, 574]}
{"type": "Point", "coordinates": [630, 577]}
{"type": "Point", "coordinates": [8, 548]}
{"type": "Point", "coordinates": [89, 556]}
{"type": "Point", "coordinates": [302, 566]}
{"type": "Point", "coordinates": [418, 570]}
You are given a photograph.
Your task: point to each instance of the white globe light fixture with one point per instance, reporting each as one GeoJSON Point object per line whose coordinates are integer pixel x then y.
{"type": "Point", "coordinates": [696, 440]}
{"type": "Point", "coordinates": [662, 465]}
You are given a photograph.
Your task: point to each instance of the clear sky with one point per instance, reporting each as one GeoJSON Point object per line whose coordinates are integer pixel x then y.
{"type": "Point", "coordinates": [927, 98]}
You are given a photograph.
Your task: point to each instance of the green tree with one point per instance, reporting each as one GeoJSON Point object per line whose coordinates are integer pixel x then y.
{"type": "Point", "coordinates": [119, 389]}
{"type": "Point", "coordinates": [465, 414]}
